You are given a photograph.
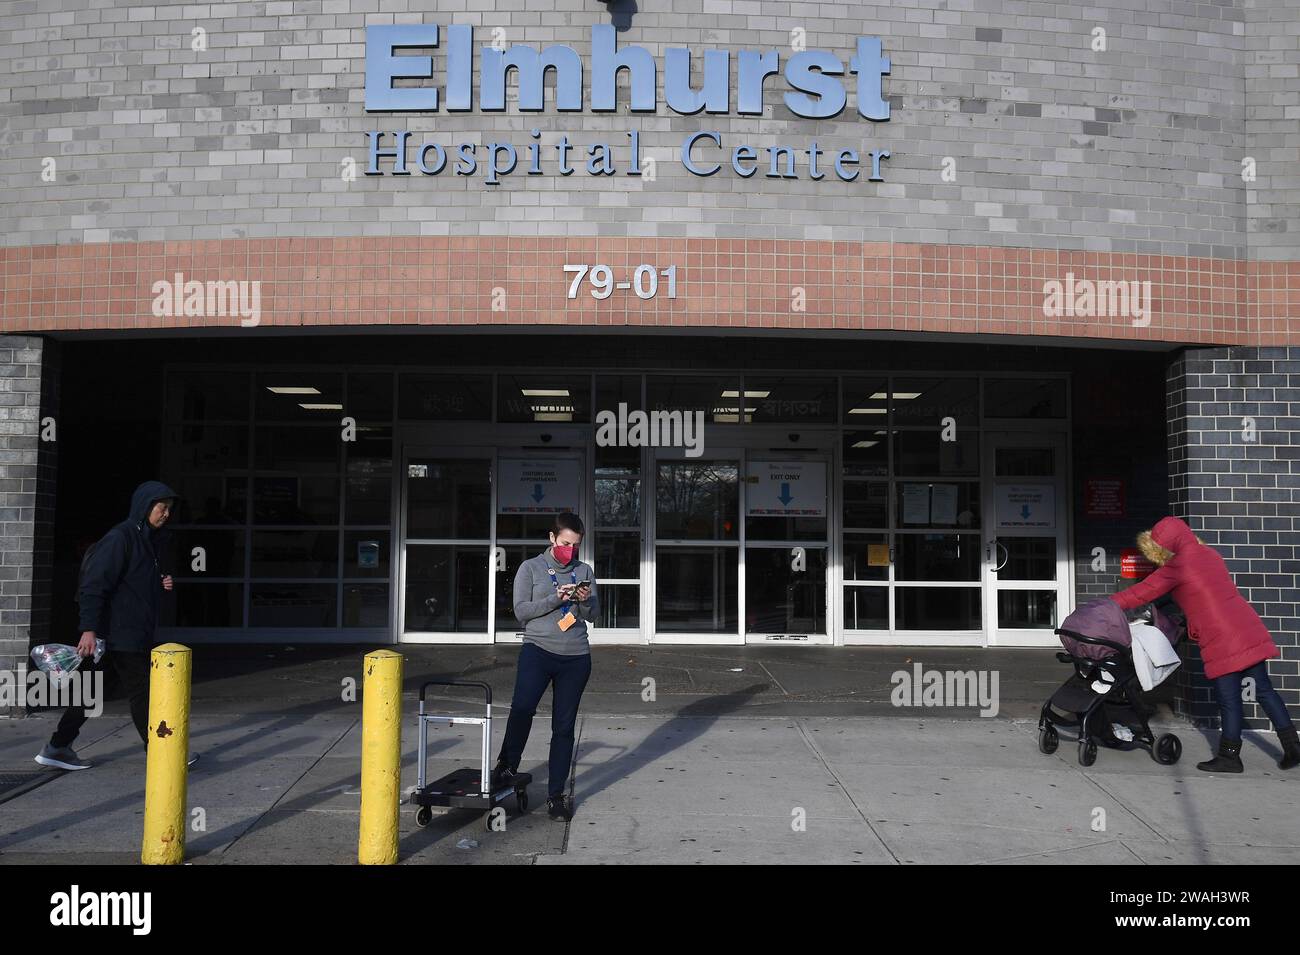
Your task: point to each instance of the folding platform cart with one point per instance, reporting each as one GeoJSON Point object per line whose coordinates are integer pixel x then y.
{"type": "Point", "coordinates": [464, 787]}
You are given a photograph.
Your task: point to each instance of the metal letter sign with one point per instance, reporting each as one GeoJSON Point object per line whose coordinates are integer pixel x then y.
{"type": "Point", "coordinates": [815, 89]}
{"type": "Point", "coordinates": [816, 92]}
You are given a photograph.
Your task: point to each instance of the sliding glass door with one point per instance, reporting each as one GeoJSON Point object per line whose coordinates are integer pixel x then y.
{"type": "Point", "coordinates": [697, 549]}
{"type": "Point", "coordinates": [447, 546]}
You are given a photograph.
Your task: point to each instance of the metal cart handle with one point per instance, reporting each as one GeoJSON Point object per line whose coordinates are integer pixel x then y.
{"type": "Point", "coordinates": [487, 690]}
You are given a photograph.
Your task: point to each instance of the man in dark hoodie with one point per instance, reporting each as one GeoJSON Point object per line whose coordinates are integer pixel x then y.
{"type": "Point", "coordinates": [120, 591]}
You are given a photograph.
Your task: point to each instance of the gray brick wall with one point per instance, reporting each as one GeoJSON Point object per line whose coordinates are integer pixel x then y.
{"type": "Point", "coordinates": [1133, 148]}
{"type": "Point", "coordinates": [1272, 70]}
{"type": "Point", "coordinates": [1242, 497]}
{"type": "Point", "coordinates": [28, 392]}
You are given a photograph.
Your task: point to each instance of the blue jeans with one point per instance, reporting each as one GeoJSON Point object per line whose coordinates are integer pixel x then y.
{"type": "Point", "coordinates": [1227, 690]}
{"type": "Point", "coordinates": [568, 677]}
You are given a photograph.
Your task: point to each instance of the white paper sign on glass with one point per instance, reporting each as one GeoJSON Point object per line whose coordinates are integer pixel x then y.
{"type": "Point", "coordinates": [943, 504]}
{"type": "Point", "coordinates": [786, 489]}
{"type": "Point", "coordinates": [916, 504]}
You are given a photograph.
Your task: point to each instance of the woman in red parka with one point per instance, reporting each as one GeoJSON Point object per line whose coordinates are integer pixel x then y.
{"type": "Point", "coordinates": [1234, 641]}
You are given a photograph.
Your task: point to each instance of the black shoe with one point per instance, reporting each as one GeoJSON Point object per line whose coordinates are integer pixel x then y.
{"type": "Point", "coordinates": [1228, 760]}
{"type": "Point", "coordinates": [560, 807]}
{"type": "Point", "coordinates": [502, 776]}
{"type": "Point", "coordinates": [1290, 749]}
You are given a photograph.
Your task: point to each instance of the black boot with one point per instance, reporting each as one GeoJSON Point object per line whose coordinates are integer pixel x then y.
{"type": "Point", "coordinates": [1228, 760]}
{"type": "Point", "coordinates": [560, 807]}
{"type": "Point", "coordinates": [1290, 749]}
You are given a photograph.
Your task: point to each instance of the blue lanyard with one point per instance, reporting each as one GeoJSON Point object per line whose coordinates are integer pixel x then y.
{"type": "Point", "coordinates": [573, 578]}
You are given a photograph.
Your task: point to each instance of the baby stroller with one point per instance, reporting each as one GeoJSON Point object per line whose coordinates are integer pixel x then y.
{"type": "Point", "coordinates": [1104, 690]}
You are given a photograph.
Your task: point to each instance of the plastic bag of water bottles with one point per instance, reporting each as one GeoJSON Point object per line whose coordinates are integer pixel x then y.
{"type": "Point", "coordinates": [61, 658]}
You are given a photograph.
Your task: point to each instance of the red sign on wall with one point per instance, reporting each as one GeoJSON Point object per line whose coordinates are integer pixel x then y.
{"type": "Point", "coordinates": [1132, 565]}
{"type": "Point", "coordinates": [1104, 497]}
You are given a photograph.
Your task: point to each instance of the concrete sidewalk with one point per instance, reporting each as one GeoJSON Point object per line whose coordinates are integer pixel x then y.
{"type": "Point", "coordinates": [745, 755]}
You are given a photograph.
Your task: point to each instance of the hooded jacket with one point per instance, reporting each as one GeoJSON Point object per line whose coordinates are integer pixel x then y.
{"type": "Point", "coordinates": [121, 586]}
{"type": "Point", "coordinates": [1227, 628]}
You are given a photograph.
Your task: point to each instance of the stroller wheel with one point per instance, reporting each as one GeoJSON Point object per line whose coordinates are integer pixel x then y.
{"type": "Point", "coordinates": [1048, 740]}
{"type": "Point", "coordinates": [1087, 752]}
{"type": "Point", "coordinates": [1167, 749]}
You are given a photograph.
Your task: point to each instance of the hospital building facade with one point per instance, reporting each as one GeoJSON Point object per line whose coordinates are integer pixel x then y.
{"type": "Point", "coordinates": [837, 324]}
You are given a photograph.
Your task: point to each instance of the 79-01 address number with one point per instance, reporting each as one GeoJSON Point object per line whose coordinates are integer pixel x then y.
{"type": "Point", "coordinates": [645, 280]}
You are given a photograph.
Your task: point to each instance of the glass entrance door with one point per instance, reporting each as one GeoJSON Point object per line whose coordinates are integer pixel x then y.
{"type": "Point", "coordinates": [742, 547]}
{"type": "Point", "coordinates": [1026, 563]}
{"type": "Point", "coordinates": [786, 547]}
{"type": "Point", "coordinates": [446, 534]}
{"type": "Point", "coordinates": [697, 548]}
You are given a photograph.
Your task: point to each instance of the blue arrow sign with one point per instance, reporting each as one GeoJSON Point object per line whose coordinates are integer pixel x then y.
{"type": "Point", "coordinates": [537, 493]}
{"type": "Point", "coordinates": [785, 497]}
{"type": "Point", "coordinates": [1024, 511]}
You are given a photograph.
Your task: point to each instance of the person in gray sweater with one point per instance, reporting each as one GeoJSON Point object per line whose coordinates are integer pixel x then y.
{"type": "Point", "coordinates": [554, 598]}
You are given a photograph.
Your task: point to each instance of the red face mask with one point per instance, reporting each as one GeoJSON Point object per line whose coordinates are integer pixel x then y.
{"type": "Point", "coordinates": [564, 553]}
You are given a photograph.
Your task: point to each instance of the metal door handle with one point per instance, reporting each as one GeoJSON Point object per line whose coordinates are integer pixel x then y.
{"type": "Point", "coordinates": [988, 554]}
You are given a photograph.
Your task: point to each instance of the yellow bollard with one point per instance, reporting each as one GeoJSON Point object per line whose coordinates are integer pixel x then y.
{"type": "Point", "coordinates": [169, 748]}
{"type": "Point", "coordinates": [381, 757]}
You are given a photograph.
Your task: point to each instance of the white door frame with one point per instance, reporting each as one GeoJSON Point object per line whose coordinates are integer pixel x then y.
{"type": "Point", "coordinates": [476, 440]}
{"type": "Point", "coordinates": [822, 452]}
{"type": "Point", "coordinates": [649, 568]}
{"type": "Point", "coordinates": [749, 442]}
{"type": "Point", "coordinates": [1063, 583]}
{"type": "Point", "coordinates": [457, 452]}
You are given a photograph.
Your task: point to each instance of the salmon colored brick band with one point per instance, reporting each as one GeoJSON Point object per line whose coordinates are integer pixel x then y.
{"type": "Point", "coordinates": [718, 284]}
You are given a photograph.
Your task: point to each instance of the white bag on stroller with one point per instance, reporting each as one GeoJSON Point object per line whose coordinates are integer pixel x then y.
{"type": "Point", "coordinates": [1153, 657]}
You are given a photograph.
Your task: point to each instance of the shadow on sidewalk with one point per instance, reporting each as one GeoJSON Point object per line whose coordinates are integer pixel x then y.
{"type": "Point", "coordinates": [690, 722]}
{"type": "Point", "coordinates": [216, 758]}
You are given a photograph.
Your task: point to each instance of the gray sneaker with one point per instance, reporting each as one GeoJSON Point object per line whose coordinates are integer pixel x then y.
{"type": "Point", "coordinates": [63, 758]}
